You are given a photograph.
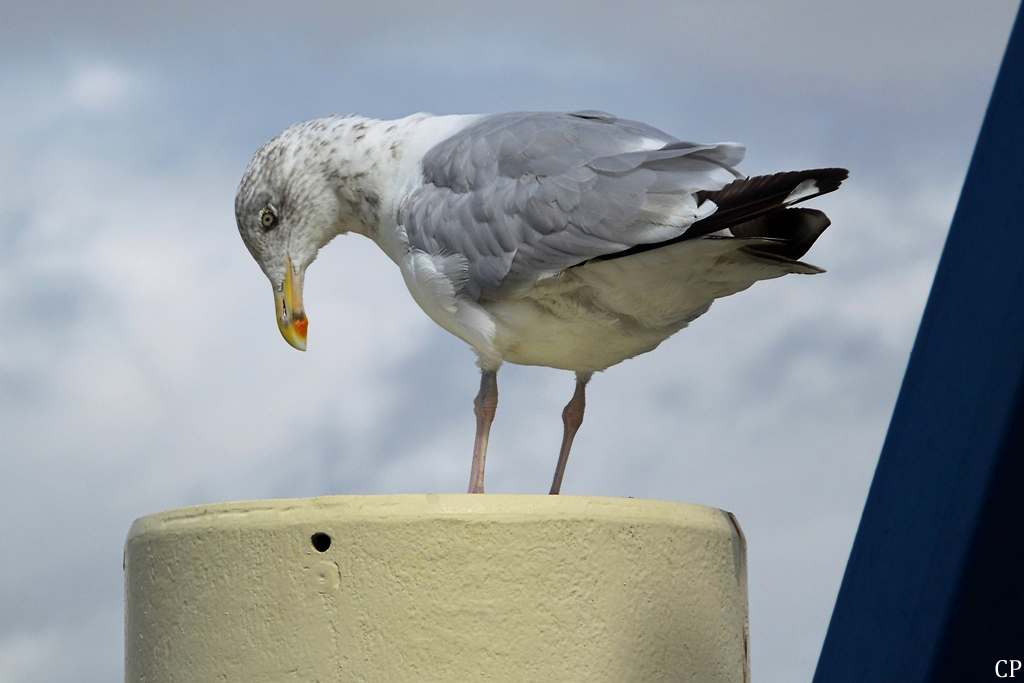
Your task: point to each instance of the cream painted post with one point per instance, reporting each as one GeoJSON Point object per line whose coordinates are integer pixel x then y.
{"type": "Point", "coordinates": [441, 587]}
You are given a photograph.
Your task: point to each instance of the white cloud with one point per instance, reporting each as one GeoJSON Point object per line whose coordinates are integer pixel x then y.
{"type": "Point", "coordinates": [59, 100]}
{"type": "Point", "coordinates": [99, 88]}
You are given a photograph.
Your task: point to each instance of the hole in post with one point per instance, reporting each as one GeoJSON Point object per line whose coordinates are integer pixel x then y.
{"type": "Point", "coordinates": [320, 541]}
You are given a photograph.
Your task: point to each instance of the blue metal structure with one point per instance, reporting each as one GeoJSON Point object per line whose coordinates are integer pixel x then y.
{"type": "Point", "coordinates": [933, 588]}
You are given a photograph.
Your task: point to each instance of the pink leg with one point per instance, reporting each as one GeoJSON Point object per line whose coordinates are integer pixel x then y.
{"type": "Point", "coordinates": [483, 407]}
{"type": "Point", "coordinates": [572, 418]}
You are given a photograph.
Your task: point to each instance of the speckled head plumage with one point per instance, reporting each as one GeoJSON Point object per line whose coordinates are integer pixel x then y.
{"type": "Point", "coordinates": [286, 210]}
{"type": "Point", "coordinates": [285, 205]}
{"type": "Point", "coordinates": [314, 181]}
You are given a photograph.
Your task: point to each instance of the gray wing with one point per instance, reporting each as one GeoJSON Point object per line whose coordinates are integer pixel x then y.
{"type": "Point", "coordinates": [518, 197]}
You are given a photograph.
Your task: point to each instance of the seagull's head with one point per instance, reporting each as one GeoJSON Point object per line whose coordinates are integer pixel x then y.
{"type": "Point", "coordinates": [286, 211]}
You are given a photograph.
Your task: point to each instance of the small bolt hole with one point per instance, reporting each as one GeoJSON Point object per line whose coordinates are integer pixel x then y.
{"type": "Point", "coordinates": [320, 541]}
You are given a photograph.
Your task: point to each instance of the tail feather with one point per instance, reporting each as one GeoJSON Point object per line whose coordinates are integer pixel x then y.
{"type": "Point", "coordinates": [792, 231]}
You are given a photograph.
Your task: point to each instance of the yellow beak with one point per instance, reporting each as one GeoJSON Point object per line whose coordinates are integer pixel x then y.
{"type": "Point", "coordinates": [291, 319]}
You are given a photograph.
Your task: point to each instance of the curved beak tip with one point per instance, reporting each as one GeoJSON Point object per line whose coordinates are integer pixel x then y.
{"type": "Point", "coordinates": [294, 332]}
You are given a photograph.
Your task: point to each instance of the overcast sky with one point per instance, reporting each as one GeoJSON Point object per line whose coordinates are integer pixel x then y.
{"type": "Point", "coordinates": [141, 368]}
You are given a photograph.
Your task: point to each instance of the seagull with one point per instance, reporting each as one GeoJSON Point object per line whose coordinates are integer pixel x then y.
{"type": "Point", "coordinates": [569, 240]}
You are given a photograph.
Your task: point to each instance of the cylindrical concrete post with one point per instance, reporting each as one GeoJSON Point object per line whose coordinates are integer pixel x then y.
{"type": "Point", "coordinates": [436, 588]}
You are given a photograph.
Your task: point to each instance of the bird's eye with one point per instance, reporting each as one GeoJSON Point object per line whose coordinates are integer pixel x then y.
{"type": "Point", "coordinates": [268, 219]}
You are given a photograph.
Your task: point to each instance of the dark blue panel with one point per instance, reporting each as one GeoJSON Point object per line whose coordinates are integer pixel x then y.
{"type": "Point", "coordinates": [932, 590]}
{"type": "Point", "coordinates": [986, 621]}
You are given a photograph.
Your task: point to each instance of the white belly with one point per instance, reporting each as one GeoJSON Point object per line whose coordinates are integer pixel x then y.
{"type": "Point", "coordinates": [599, 314]}
{"type": "Point", "coordinates": [561, 333]}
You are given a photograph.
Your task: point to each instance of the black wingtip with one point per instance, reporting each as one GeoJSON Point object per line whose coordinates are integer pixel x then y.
{"type": "Point", "coordinates": [829, 179]}
{"type": "Point", "coordinates": [747, 199]}
{"type": "Point", "coordinates": [760, 207]}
